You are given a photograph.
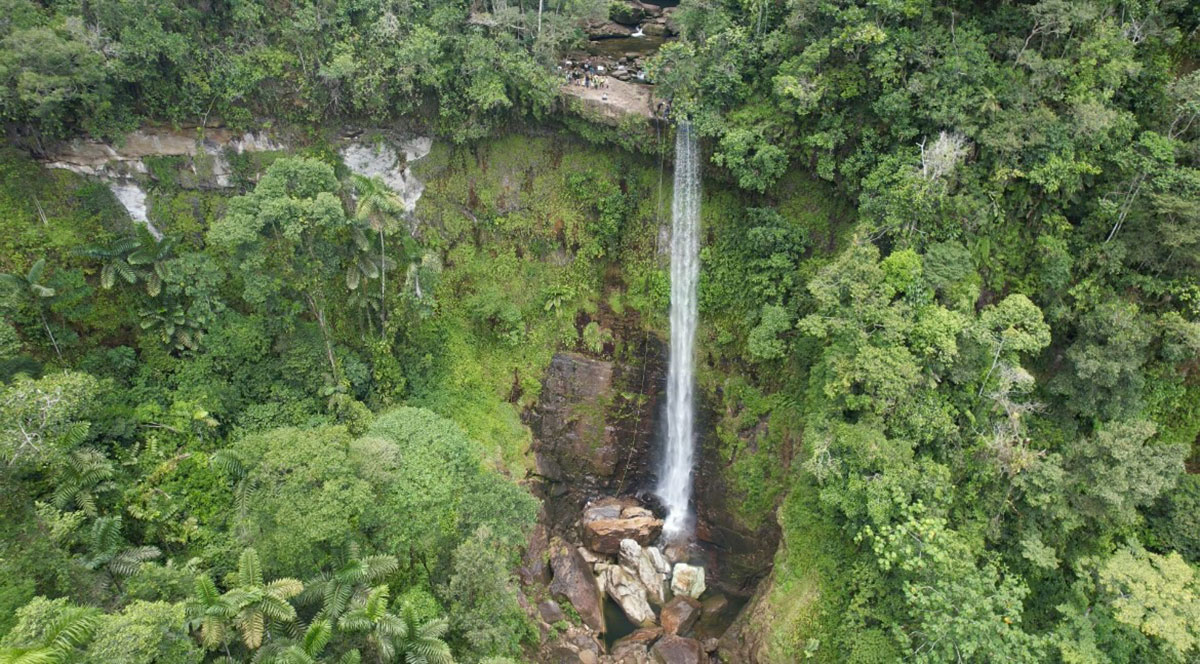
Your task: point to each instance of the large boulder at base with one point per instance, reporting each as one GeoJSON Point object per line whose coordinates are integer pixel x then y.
{"type": "Point", "coordinates": [635, 648]}
{"type": "Point", "coordinates": [603, 530]}
{"type": "Point", "coordinates": [628, 592]}
{"type": "Point", "coordinates": [642, 564]}
{"type": "Point", "coordinates": [687, 580]}
{"type": "Point", "coordinates": [676, 650]}
{"type": "Point", "coordinates": [573, 582]}
{"type": "Point", "coordinates": [645, 637]}
{"type": "Point", "coordinates": [680, 614]}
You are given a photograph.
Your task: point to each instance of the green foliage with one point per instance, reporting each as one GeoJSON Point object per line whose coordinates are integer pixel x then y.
{"type": "Point", "coordinates": [482, 596]}
{"type": "Point", "coordinates": [48, 632]}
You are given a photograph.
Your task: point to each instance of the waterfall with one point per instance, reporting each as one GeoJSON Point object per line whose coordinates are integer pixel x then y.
{"type": "Point", "coordinates": [133, 198]}
{"type": "Point", "coordinates": [675, 477]}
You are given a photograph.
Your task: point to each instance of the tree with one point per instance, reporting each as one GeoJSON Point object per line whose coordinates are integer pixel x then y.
{"type": "Point", "coordinates": [482, 598]}
{"type": "Point", "coordinates": [48, 632]}
{"type": "Point", "coordinates": [152, 255]}
{"type": "Point", "coordinates": [30, 288]}
{"type": "Point", "coordinates": [143, 633]}
{"type": "Point", "coordinates": [394, 637]}
{"type": "Point", "coordinates": [259, 605]}
{"type": "Point", "coordinates": [42, 420]}
{"type": "Point", "coordinates": [304, 496]}
{"type": "Point", "coordinates": [350, 581]}
{"type": "Point", "coordinates": [1158, 595]}
{"type": "Point", "coordinates": [283, 238]}
{"type": "Point", "coordinates": [113, 259]}
{"type": "Point", "coordinates": [210, 614]}
{"type": "Point", "coordinates": [107, 550]}
{"type": "Point", "coordinates": [378, 207]}
{"type": "Point", "coordinates": [86, 474]}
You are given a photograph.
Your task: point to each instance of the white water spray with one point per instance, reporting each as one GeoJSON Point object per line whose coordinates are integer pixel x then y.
{"type": "Point", "coordinates": [675, 478]}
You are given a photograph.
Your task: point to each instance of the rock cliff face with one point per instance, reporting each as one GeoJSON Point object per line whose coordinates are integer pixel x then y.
{"type": "Point", "coordinates": [593, 430]}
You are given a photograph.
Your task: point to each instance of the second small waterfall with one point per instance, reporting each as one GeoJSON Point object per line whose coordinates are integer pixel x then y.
{"type": "Point", "coordinates": [675, 476]}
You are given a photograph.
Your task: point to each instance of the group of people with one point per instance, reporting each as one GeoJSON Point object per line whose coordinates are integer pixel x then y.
{"type": "Point", "coordinates": [585, 74]}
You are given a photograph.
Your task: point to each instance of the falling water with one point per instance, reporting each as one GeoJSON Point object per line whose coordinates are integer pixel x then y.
{"type": "Point", "coordinates": [675, 483]}
{"type": "Point", "coordinates": [133, 199]}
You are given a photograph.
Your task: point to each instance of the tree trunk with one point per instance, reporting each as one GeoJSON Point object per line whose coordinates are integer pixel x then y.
{"type": "Point", "coordinates": [382, 286]}
{"type": "Point", "coordinates": [319, 314]}
{"type": "Point", "coordinates": [42, 315]}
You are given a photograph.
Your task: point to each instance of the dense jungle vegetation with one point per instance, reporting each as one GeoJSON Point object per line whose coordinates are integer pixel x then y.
{"type": "Point", "coordinates": [950, 305]}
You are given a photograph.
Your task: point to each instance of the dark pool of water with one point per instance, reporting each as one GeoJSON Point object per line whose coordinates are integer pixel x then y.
{"type": "Point", "coordinates": [618, 624]}
{"type": "Point", "coordinates": [620, 46]}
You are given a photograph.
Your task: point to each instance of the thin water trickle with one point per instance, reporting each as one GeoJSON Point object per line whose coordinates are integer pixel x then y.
{"type": "Point", "coordinates": [675, 477]}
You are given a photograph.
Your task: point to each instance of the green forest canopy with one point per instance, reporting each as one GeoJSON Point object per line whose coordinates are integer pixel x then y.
{"type": "Point", "coordinates": [224, 444]}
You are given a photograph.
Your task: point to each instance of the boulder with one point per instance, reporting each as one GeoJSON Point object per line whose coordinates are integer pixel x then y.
{"type": "Point", "coordinates": [710, 645]}
{"type": "Point", "coordinates": [550, 611]}
{"type": "Point", "coordinates": [560, 654]}
{"type": "Point", "coordinates": [715, 603]}
{"type": "Point", "coordinates": [659, 560]}
{"type": "Point", "coordinates": [639, 562]}
{"type": "Point", "coordinates": [591, 557]}
{"type": "Point", "coordinates": [644, 637]}
{"type": "Point", "coordinates": [655, 29]}
{"type": "Point", "coordinates": [630, 654]}
{"type": "Point", "coordinates": [605, 535]}
{"type": "Point", "coordinates": [680, 614]}
{"type": "Point", "coordinates": [608, 30]}
{"type": "Point", "coordinates": [687, 580]}
{"type": "Point", "coordinates": [626, 14]}
{"type": "Point", "coordinates": [573, 582]}
{"type": "Point", "coordinates": [634, 511]}
{"type": "Point", "coordinates": [585, 642]}
{"type": "Point", "coordinates": [629, 594]}
{"type": "Point", "coordinates": [676, 650]}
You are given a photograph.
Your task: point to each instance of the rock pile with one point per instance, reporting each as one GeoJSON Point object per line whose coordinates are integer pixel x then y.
{"type": "Point", "coordinates": [620, 560]}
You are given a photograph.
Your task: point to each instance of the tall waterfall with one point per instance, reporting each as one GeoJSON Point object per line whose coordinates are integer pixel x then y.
{"type": "Point", "coordinates": [675, 477]}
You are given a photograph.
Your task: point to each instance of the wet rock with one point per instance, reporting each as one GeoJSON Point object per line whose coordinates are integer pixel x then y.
{"type": "Point", "coordinates": [573, 440]}
{"type": "Point", "coordinates": [550, 611]}
{"type": "Point", "coordinates": [687, 580]}
{"type": "Point", "coordinates": [659, 560]}
{"type": "Point", "coordinates": [629, 594]}
{"type": "Point", "coordinates": [649, 9]}
{"type": "Point", "coordinates": [676, 650]}
{"type": "Point", "coordinates": [680, 614]}
{"type": "Point", "coordinates": [715, 603]}
{"type": "Point", "coordinates": [573, 582]}
{"type": "Point", "coordinates": [641, 564]}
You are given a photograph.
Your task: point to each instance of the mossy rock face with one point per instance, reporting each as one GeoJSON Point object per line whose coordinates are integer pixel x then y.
{"type": "Point", "coordinates": [626, 14]}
